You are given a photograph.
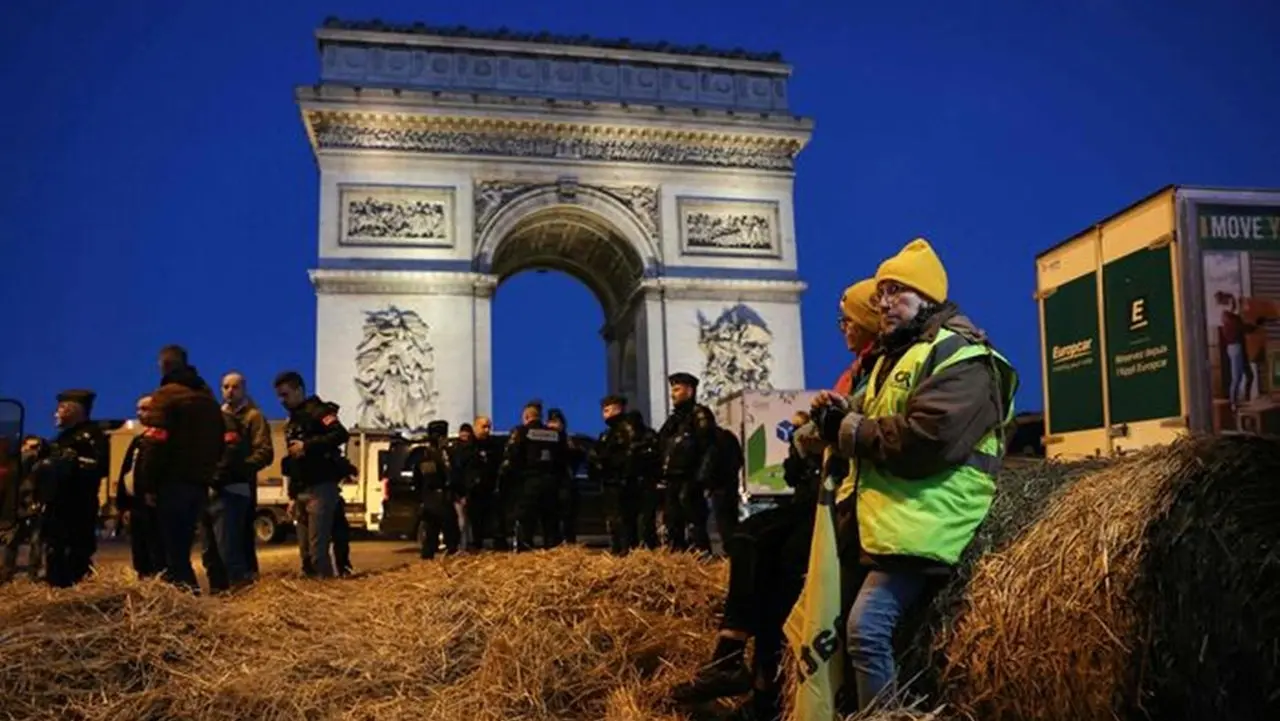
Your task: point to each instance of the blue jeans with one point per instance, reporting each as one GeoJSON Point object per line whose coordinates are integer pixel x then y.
{"type": "Point", "coordinates": [318, 505]}
{"type": "Point", "coordinates": [1241, 375]}
{"type": "Point", "coordinates": [179, 505]}
{"type": "Point", "coordinates": [882, 600]}
{"type": "Point", "coordinates": [224, 542]}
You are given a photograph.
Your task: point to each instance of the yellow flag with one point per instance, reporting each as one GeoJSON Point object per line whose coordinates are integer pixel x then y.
{"type": "Point", "coordinates": [813, 634]}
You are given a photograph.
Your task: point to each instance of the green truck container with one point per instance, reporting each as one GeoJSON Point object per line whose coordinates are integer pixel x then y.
{"type": "Point", "coordinates": [1163, 319]}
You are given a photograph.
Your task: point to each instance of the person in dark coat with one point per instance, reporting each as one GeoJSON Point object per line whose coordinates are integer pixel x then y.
{"type": "Point", "coordinates": [137, 507]}
{"type": "Point", "coordinates": [188, 447]}
{"type": "Point", "coordinates": [71, 478]}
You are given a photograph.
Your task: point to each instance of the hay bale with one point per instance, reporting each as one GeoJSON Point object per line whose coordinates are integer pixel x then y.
{"type": "Point", "coordinates": [568, 634]}
{"type": "Point", "coordinates": [1147, 589]}
{"type": "Point", "coordinates": [1023, 493]}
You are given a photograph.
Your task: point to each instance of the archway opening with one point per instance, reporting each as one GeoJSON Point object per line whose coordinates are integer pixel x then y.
{"type": "Point", "coordinates": [563, 327]}
{"type": "Point", "coordinates": [546, 344]}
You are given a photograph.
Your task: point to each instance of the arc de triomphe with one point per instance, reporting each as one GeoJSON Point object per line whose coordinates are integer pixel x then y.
{"type": "Point", "coordinates": [450, 160]}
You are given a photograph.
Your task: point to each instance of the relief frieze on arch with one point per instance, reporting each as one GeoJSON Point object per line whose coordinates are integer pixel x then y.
{"type": "Point", "coordinates": [641, 201]}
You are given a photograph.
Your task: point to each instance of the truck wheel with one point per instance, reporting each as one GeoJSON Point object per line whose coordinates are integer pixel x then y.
{"type": "Point", "coordinates": [266, 529]}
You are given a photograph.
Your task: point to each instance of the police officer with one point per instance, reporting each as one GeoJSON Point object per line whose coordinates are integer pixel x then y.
{"type": "Point", "coordinates": [648, 464]}
{"type": "Point", "coordinates": [569, 483]}
{"type": "Point", "coordinates": [434, 478]}
{"type": "Point", "coordinates": [616, 462]}
{"type": "Point", "coordinates": [72, 476]}
{"type": "Point", "coordinates": [688, 462]}
{"type": "Point", "coordinates": [726, 483]}
{"type": "Point", "coordinates": [315, 466]}
{"type": "Point", "coordinates": [478, 461]}
{"type": "Point", "coordinates": [20, 515]}
{"type": "Point", "coordinates": [536, 459]}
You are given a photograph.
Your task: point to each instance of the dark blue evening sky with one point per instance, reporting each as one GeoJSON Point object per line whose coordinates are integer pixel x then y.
{"type": "Point", "coordinates": [158, 186]}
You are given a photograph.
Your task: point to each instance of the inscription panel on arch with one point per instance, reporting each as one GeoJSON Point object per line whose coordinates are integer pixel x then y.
{"type": "Point", "coordinates": [397, 216]}
{"type": "Point", "coordinates": [728, 227]}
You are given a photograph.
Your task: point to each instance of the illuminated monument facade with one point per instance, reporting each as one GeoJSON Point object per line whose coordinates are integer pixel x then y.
{"type": "Point", "coordinates": [660, 177]}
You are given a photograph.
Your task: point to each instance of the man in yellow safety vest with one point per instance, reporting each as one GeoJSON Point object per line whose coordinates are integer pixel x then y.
{"type": "Point", "coordinates": [925, 438]}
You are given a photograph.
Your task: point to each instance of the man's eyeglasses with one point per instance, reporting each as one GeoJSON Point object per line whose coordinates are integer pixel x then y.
{"type": "Point", "coordinates": [888, 290]}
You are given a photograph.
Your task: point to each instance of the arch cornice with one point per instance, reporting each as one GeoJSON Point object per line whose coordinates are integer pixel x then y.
{"type": "Point", "coordinates": [401, 282]}
{"type": "Point", "coordinates": [501, 207]}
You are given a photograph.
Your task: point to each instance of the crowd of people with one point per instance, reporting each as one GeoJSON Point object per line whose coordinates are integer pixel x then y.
{"type": "Point", "coordinates": [479, 490]}
{"type": "Point", "coordinates": [195, 463]}
{"type": "Point", "coordinates": [912, 434]}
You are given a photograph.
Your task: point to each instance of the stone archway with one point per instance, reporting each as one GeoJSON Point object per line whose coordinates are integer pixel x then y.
{"type": "Point", "coordinates": [661, 177]}
{"type": "Point", "coordinates": [592, 234]}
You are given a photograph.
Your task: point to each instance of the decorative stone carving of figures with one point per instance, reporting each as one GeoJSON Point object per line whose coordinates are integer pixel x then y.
{"type": "Point", "coordinates": [736, 350]}
{"type": "Point", "coordinates": [395, 371]}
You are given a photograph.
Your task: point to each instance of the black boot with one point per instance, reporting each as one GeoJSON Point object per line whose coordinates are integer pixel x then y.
{"type": "Point", "coordinates": [726, 675]}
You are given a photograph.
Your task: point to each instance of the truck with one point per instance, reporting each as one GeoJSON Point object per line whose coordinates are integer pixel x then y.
{"type": "Point", "coordinates": [1161, 320]}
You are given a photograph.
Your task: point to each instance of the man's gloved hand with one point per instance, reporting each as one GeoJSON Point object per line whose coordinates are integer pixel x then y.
{"type": "Point", "coordinates": [828, 419]}
{"type": "Point", "coordinates": [808, 440]}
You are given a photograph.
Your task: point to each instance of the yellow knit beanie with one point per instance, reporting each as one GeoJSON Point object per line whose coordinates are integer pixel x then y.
{"type": "Point", "coordinates": [917, 267]}
{"type": "Point", "coordinates": [857, 306]}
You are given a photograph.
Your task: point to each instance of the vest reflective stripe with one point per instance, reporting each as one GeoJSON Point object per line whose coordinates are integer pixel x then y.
{"type": "Point", "coordinates": [935, 517]}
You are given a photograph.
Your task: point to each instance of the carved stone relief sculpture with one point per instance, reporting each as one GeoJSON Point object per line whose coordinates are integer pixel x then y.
{"type": "Point", "coordinates": [736, 352]}
{"type": "Point", "coordinates": [333, 131]}
{"type": "Point", "coordinates": [492, 195]}
{"type": "Point", "coordinates": [377, 215]}
{"type": "Point", "coordinates": [728, 227]}
{"type": "Point", "coordinates": [395, 371]}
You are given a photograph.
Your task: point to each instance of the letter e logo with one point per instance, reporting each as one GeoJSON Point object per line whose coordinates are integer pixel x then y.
{"type": "Point", "coordinates": [1138, 314]}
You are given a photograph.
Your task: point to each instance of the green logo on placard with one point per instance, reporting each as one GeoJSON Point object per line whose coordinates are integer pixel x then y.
{"type": "Point", "coordinates": [1138, 314]}
{"type": "Point", "coordinates": [1071, 356]}
{"type": "Point", "coordinates": [1071, 350]}
{"type": "Point", "coordinates": [1142, 337]}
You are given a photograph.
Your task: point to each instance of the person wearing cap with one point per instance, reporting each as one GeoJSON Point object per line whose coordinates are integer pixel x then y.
{"type": "Point", "coordinates": [688, 443]}
{"type": "Point", "coordinates": [436, 482]}
{"type": "Point", "coordinates": [925, 437]}
{"type": "Point", "coordinates": [76, 465]}
{"type": "Point", "coordinates": [860, 325]}
{"type": "Point", "coordinates": [534, 464]}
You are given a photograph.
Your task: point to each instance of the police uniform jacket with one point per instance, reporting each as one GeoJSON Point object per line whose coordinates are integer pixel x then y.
{"type": "Point", "coordinates": [315, 423]}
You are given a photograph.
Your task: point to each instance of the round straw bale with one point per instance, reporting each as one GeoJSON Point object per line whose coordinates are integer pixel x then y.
{"type": "Point", "coordinates": [1149, 589]}
{"type": "Point", "coordinates": [1025, 488]}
